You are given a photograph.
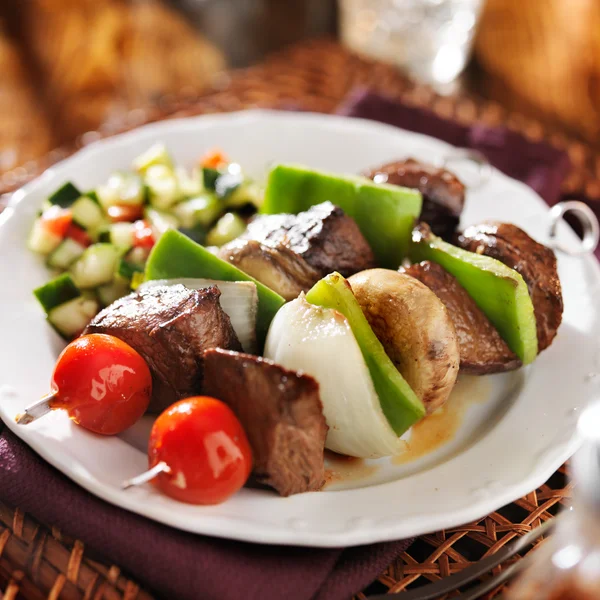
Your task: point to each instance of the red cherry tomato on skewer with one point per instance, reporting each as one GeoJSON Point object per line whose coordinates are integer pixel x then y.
{"type": "Point", "coordinates": [204, 448]}
{"type": "Point", "coordinates": [56, 220]}
{"type": "Point", "coordinates": [103, 384]}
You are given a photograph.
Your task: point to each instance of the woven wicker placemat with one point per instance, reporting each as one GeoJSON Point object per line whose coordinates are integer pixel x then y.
{"type": "Point", "coordinates": [36, 561]}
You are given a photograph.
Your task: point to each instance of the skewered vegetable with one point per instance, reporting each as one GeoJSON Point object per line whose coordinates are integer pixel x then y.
{"type": "Point", "coordinates": [198, 452]}
{"type": "Point", "coordinates": [415, 329]}
{"type": "Point", "coordinates": [103, 384]}
{"type": "Point", "coordinates": [304, 337]}
{"type": "Point", "coordinates": [384, 213]}
{"type": "Point", "coordinates": [399, 403]}
{"type": "Point", "coordinates": [176, 256]}
{"type": "Point", "coordinates": [499, 291]}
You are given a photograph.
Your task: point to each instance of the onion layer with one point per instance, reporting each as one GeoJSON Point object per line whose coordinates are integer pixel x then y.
{"type": "Point", "coordinates": [320, 342]}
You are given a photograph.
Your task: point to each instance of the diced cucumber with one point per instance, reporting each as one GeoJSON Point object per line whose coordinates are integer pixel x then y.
{"type": "Point", "coordinates": [93, 195]}
{"type": "Point", "coordinates": [228, 227]}
{"type": "Point", "coordinates": [56, 292]}
{"type": "Point", "coordinates": [96, 266]}
{"type": "Point", "coordinates": [155, 155]}
{"type": "Point", "coordinates": [249, 192]}
{"type": "Point", "coordinates": [108, 293]}
{"type": "Point", "coordinates": [127, 269]}
{"type": "Point", "coordinates": [189, 184]}
{"type": "Point", "coordinates": [202, 210]}
{"type": "Point", "coordinates": [125, 189]}
{"type": "Point", "coordinates": [71, 318]}
{"type": "Point", "coordinates": [160, 221]}
{"type": "Point", "coordinates": [209, 178]}
{"type": "Point", "coordinates": [65, 196]}
{"type": "Point", "coordinates": [138, 256]}
{"type": "Point", "coordinates": [87, 213]}
{"type": "Point", "coordinates": [163, 187]}
{"type": "Point", "coordinates": [228, 183]}
{"type": "Point", "coordinates": [41, 240]}
{"type": "Point", "coordinates": [120, 235]}
{"type": "Point", "coordinates": [66, 254]}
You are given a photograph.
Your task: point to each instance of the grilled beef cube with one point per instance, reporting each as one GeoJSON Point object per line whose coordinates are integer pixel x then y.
{"type": "Point", "coordinates": [536, 264]}
{"type": "Point", "coordinates": [443, 193]}
{"type": "Point", "coordinates": [482, 350]}
{"type": "Point", "coordinates": [170, 327]}
{"type": "Point", "coordinates": [282, 415]}
{"type": "Point", "coordinates": [280, 269]}
{"type": "Point", "coordinates": [323, 238]}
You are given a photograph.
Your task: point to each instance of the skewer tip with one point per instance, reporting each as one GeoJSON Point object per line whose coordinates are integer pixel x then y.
{"type": "Point", "coordinates": [157, 469]}
{"type": "Point", "coordinates": [35, 411]}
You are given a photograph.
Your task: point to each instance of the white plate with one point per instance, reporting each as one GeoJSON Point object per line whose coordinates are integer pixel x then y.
{"type": "Point", "coordinates": [518, 428]}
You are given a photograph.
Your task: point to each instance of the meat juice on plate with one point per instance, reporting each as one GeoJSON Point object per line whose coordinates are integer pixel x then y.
{"type": "Point", "coordinates": [427, 436]}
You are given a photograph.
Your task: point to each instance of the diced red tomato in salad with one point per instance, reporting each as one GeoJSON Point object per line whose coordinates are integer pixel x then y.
{"type": "Point", "coordinates": [56, 220]}
{"type": "Point", "coordinates": [79, 235]}
{"type": "Point", "coordinates": [120, 213]}
{"type": "Point", "coordinates": [214, 159]}
{"type": "Point", "coordinates": [143, 235]}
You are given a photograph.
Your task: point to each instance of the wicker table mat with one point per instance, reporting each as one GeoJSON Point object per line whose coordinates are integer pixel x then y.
{"type": "Point", "coordinates": [37, 562]}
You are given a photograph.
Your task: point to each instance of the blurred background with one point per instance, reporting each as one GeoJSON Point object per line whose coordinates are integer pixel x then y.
{"type": "Point", "coordinates": [73, 66]}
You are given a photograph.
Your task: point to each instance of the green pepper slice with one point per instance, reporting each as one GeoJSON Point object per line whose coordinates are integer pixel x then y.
{"type": "Point", "coordinates": [384, 213]}
{"type": "Point", "coordinates": [499, 291]}
{"type": "Point", "coordinates": [175, 256]}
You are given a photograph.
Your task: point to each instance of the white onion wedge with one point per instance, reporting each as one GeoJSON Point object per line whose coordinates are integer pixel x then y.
{"type": "Point", "coordinates": [239, 300]}
{"type": "Point", "coordinates": [320, 342]}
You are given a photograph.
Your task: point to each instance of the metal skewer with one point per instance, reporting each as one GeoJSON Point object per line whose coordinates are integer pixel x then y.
{"type": "Point", "coordinates": [157, 469]}
{"type": "Point", "coordinates": [37, 410]}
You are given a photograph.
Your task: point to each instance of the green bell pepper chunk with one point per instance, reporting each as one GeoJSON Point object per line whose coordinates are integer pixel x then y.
{"type": "Point", "coordinates": [401, 406]}
{"type": "Point", "coordinates": [175, 256]}
{"type": "Point", "coordinates": [384, 213]}
{"type": "Point", "coordinates": [499, 291]}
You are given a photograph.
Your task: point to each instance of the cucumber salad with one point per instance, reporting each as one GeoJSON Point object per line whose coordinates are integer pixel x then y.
{"type": "Point", "coordinates": [96, 242]}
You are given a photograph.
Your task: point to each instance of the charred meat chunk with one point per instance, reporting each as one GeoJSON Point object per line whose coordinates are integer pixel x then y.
{"type": "Point", "coordinates": [170, 326]}
{"type": "Point", "coordinates": [323, 238]}
{"type": "Point", "coordinates": [536, 264]}
{"type": "Point", "coordinates": [282, 415]}
{"type": "Point", "coordinates": [443, 193]}
{"type": "Point", "coordinates": [280, 269]}
{"type": "Point", "coordinates": [482, 350]}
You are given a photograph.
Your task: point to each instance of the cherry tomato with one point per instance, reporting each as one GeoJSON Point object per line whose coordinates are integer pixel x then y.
{"type": "Point", "coordinates": [79, 235]}
{"type": "Point", "coordinates": [214, 159]}
{"type": "Point", "coordinates": [56, 220]}
{"type": "Point", "coordinates": [143, 235]}
{"type": "Point", "coordinates": [102, 382]}
{"type": "Point", "coordinates": [120, 213]}
{"type": "Point", "coordinates": [206, 449]}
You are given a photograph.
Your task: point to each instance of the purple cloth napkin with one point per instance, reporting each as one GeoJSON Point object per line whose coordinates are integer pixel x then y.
{"type": "Point", "coordinates": [537, 164]}
{"type": "Point", "coordinates": [175, 564]}
{"type": "Point", "coordinates": [179, 565]}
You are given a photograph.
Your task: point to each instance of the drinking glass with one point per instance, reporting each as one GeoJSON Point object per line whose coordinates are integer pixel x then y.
{"type": "Point", "coordinates": [431, 39]}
